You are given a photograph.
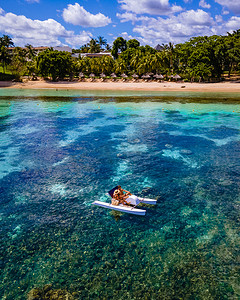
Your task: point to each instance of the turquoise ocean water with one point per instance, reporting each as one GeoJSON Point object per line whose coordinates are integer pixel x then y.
{"type": "Point", "coordinates": [61, 150]}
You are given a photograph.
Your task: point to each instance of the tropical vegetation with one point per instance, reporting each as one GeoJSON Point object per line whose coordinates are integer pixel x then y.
{"type": "Point", "coordinates": [203, 58]}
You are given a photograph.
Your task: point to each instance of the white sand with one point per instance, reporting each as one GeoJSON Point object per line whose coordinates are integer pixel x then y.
{"type": "Point", "coordinates": [232, 87]}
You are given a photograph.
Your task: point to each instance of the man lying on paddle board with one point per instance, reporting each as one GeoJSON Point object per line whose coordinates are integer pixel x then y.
{"type": "Point", "coordinates": [121, 197]}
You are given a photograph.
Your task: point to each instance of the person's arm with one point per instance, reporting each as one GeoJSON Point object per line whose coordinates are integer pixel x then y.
{"type": "Point", "coordinates": [125, 196]}
{"type": "Point", "coordinates": [125, 202]}
{"type": "Point", "coordinates": [127, 192]}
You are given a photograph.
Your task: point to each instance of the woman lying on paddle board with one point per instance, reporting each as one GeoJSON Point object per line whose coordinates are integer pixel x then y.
{"type": "Point", "coordinates": [124, 201]}
{"type": "Point", "coordinates": [117, 195]}
{"type": "Point", "coordinates": [121, 197]}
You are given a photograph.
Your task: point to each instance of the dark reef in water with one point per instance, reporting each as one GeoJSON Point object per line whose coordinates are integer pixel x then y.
{"type": "Point", "coordinates": [48, 293]}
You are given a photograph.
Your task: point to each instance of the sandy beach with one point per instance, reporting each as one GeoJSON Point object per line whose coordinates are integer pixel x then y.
{"type": "Point", "coordinates": [225, 87]}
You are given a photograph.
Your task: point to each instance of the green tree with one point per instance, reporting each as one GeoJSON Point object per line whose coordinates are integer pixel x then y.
{"type": "Point", "coordinates": [232, 54]}
{"type": "Point", "coordinates": [108, 48]}
{"type": "Point", "coordinates": [121, 66]}
{"type": "Point", "coordinates": [147, 64]}
{"type": "Point", "coordinates": [56, 64]}
{"type": "Point", "coordinates": [6, 41]}
{"type": "Point", "coordinates": [127, 56]}
{"type": "Point", "coordinates": [107, 64]}
{"type": "Point", "coordinates": [83, 65]}
{"type": "Point", "coordinates": [120, 44]}
{"type": "Point", "coordinates": [5, 57]}
{"type": "Point", "coordinates": [102, 42]}
{"type": "Point", "coordinates": [94, 46]}
{"type": "Point", "coordinates": [201, 57]}
{"type": "Point", "coordinates": [133, 43]}
{"type": "Point", "coordinates": [83, 49]}
{"type": "Point", "coordinates": [135, 60]}
{"type": "Point", "coordinates": [95, 65]}
{"type": "Point", "coordinates": [31, 52]}
{"type": "Point", "coordinates": [18, 64]}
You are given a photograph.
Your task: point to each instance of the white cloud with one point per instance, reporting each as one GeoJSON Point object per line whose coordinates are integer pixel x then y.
{"type": "Point", "coordinates": [198, 17]}
{"type": "Point", "coordinates": [39, 33]}
{"type": "Point", "coordinates": [127, 16]}
{"type": "Point", "coordinates": [233, 23]}
{"type": "Point", "coordinates": [1, 11]}
{"type": "Point", "coordinates": [154, 7]}
{"type": "Point", "coordinates": [77, 40]}
{"type": "Point", "coordinates": [175, 29]}
{"type": "Point", "coordinates": [77, 15]}
{"type": "Point", "coordinates": [204, 4]}
{"type": "Point", "coordinates": [225, 12]}
{"type": "Point", "coordinates": [219, 19]}
{"type": "Point", "coordinates": [233, 5]}
{"type": "Point", "coordinates": [126, 36]}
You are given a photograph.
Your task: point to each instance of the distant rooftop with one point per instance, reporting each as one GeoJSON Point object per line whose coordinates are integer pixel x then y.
{"type": "Point", "coordinates": [158, 47]}
{"type": "Point", "coordinates": [42, 48]}
{"type": "Point", "coordinates": [95, 54]}
{"type": "Point", "coordinates": [64, 48]}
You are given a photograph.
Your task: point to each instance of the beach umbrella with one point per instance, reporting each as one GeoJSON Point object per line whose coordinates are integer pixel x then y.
{"type": "Point", "coordinates": [158, 76]}
{"type": "Point", "coordinates": [92, 75]}
{"type": "Point", "coordinates": [146, 76]}
{"type": "Point", "coordinates": [177, 77]}
{"type": "Point", "coordinates": [81, 75]}
{"type": "Point", "coordinates": [150, 74]}
{"type": "Point", "coordinates": [102, 75]}
{"type": "Point", "coordinates": [113, 76]}
{"type": "Point", "coordinates": [124, 76]}
{"type": "Point", "coordinates": [135, 76]}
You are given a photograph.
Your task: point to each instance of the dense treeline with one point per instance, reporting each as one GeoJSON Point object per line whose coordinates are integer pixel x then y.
{"type": "Point", "coordinates": [201, 58]}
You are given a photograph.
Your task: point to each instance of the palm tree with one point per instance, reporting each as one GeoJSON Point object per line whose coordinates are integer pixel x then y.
{"type": "Point", "coordinates": [169, 49]}
{"type": "Point", "coordinates": [101, 41]}
{"type": "Point", "coordinates": [6, 41]}
{"type": "Point", "coordinates": [147, 64]}
{"type": "Point", "coordinates": [134, 62]}
{"type": "Point", "coordinates": [94, 47]}
{"type": "Point", "coordinates": [107, 64]}
{"type": "Point", "coordinates": [18, 64]}
{"type": "Point", "coordinates": [31, 52]}
{"type": "Point", "coordinates": [121, 65]}
{"type": "Point", "coordinates": [108, 48]}
{"type": "Point", "coordinates": [95, 65]}
{"type": "Point", "coordinates": [5, 58]}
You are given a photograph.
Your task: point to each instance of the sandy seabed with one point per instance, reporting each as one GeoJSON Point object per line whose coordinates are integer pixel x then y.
{"type": "Point", "coordinates": [231, 86]}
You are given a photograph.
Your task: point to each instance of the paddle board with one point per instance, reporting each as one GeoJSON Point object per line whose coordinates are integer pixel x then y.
{"type": "Point", "coordinates": [122, 208]}
{"type": "Point", "coordinates": [147, 201]}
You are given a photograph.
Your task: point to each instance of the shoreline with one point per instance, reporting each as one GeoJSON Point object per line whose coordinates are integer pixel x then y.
{"type": "Point", "coordinates": [225, 87]}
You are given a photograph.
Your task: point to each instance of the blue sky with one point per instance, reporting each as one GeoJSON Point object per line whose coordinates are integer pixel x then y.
{"type": "Point", "coordinates": [152, 22]}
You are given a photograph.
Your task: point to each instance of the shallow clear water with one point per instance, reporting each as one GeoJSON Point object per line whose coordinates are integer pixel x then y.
{"type": "Point", "coordinates": [59, 153]}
